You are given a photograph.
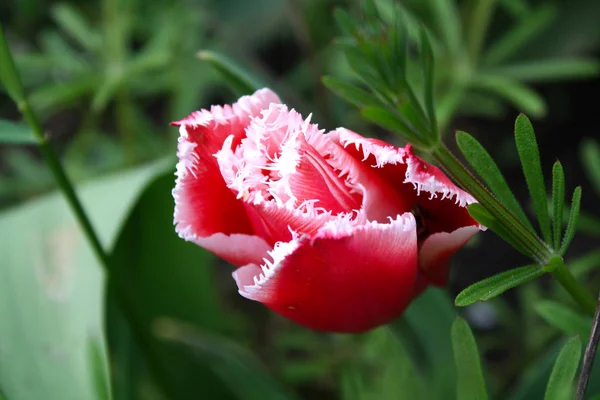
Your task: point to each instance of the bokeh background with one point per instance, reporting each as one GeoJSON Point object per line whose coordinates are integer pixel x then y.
{"type": "Point", "coordinates": [107, 76]}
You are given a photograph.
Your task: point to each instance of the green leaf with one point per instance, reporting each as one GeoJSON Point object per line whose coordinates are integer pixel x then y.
{"type": "Point", "coordinates": [347, 24]}
{"type": "Point", "coordinates": [9, 76]}
{"type": "Point", "coordinates": [146, 244]}
{"type": "Point", "coordinates": [532, 168]}
{"type": "Point", "coordinates": [383, 369]}
{"type": "Point", "coordinates": [433, 340]}
{"type": "Point", "coordinates": [564, 318]}
{"type": "Point", "coordinates": [481, 215]}
{"type": "Point", "coordinates": [51, 291]}
{"type": "Point", "coordinates": [497, 284]}
{"type": "Point", "coordinates": [573, 219]}
{"type": "Point", "coordinates": [561, 380]}
{"type": "Point", "coordinates": [521, 34]}
{"type": "Point", "coordinates": [549, 70]}
{"type": "Point", "coordinates": [447, 19]}
{"type": "Point", "coordinates": [558, 202]}
{"type": "Point", "coordinates": [73, 23]}
{"type": "Point", "coordinates": [350, 93]}
{"type": "Point", "coordinates": [584, 264]}
{"type": "Point", "coordinates": [427, 62]}
{"type": "Point", "coordinates": [590, 160]}
{"type": "Point", "coordinates": [391, 122]}
{"type": "Point", "coordinates": [470, 383]}
{"type": "Point", "coordinates": [520, 96]}
{"type": "Point", "coordinates": [231, 362]}
{"type": "Point", "coordinates": [14, 133]}
{"type": "Point", "coordinates": [240, 81]}
{"type": "Point", "coordinates": [488, 170]}
{"type": "Point", "coordinates": [516, 8]}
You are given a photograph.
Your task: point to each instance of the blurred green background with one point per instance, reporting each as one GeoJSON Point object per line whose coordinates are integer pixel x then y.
{"type": "Point", "coordinates": [107, 77]}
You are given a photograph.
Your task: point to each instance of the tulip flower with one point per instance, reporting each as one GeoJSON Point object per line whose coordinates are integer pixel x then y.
{"type": "Point", "coordinates": [335, 231]}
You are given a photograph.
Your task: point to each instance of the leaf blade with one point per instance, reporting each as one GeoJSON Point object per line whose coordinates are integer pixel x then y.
{"type": "Point", "coordinates": [241, 82]}
{"type": "Point", "coordinates": [470, 382]}
{"type": "Point", "coordinates": [573, 219]}
{"type": "Point", "coordinates": [15, 133]}
{"type": "Point", "coordinates": [561, 378]}
{"type": "Point", "coordinates": [532, 168]}
{"type": "Point", "coordinates": [558, 202]}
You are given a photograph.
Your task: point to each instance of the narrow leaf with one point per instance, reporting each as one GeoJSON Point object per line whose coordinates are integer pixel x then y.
{"type": "Point", "coordinates": [497, 284]}
{"type": "Point", "coordinates": [584, 264]}
{"type": "Point", "coordinates": [239, 80]}
{"type": "Point", "coordinates": [13, 133]}
{"type": "Point", "coordinates": [482, 216]}
{"type": "Point", "coordinates": [573, 219]}
{"type": "Point", "coordinates": [549, 70]}
{"type": "Point", "coordinates": [389, 121]}
{"type": "Point", "coordinates": [519, 95]}
{"type": "Point", "coordinates": [532, 168]}
{"type": "Point", "coordinates": [347, 24]}
{"type": "Point", "coordinates": [561, 380]}
{"type": "Point", "coordinates": [590, 154]}
{"type": "Point", "coordinates": [563, 318]}
{"type": "Point", "coordinates": [558, 201]}
{"type": "Point", "coordinates": [72, 22]}
{"type": "Point", "coordinates": [522, 33]}
{"type": "Point", "coordinates": [349, 92]}
{"type": "Point", "coordinates": [470, 383]}
{"type": "Point", "coordinates": [516, 8]}
{"type": "Point", "coordinates": [447, 18]}
{"type": "Point", "coordinates": [427, 62]}
{"type": "Point", "coordinates": [488, 170]}
{"type": "Point", "coordinates": [9, 76]}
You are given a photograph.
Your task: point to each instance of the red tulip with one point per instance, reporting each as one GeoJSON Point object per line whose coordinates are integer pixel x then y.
{"type": "Point", "coordinates": [334, 231]}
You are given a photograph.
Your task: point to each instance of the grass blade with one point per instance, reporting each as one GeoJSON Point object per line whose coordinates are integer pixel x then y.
{"type": "Point", "coordinates": [511, 90]}
{"type": "Point", "coordinates": [558, 201]}
{"type": "Point", "coordinates": [573, 219]}
{"type": "Point", "coordinates": [470, 383]}
{"type": "Point", "coordinates": [560, 382]}
{"type": "Point", "coordinates": [532, 168]}
{"type": "Point", "coordinates": [497, 284]}
{"type": "Point", "coordinates": [550, 70]}
{"type": "Point", "coordinates": [427, 62]}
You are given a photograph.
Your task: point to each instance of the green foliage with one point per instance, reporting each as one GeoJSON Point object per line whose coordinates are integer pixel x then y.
{"type": "Point", "coordinates": [558, 201]}
{"type": "Point", "coordinates": [559, 385]}
{"type": "Point", "coordinates": [235, 76]}
{"type": "Point", "coordinates": [52, 284]}
{"type": "Point", "coordinates": [573, 219]}
{"type": "Point", "coordinates": [470, 384]}
{"type": "Point", "coordinates": [564, 318]}
{"type": "Point", "coordinates": [530, 161]}
{"type": "Point", "coordinates": [12, 133]}
{"type": "Point", "coordinates": [495, 285]}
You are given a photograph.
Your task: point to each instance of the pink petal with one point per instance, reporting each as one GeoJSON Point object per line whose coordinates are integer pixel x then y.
{"type": "Point", "coordinates": [237, 249]}
{"type": "Point", "coordinates": [203, 203]}
{"type": "Point", "coordinates": [346, 279]}
{"type": "Point", "coordinates": [419, 183]}
{"type": "Point", "coordinates": [437, 249]}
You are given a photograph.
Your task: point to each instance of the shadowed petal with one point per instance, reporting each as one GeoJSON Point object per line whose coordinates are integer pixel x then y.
{"type": "Point", "coordinates": [347, 278]}
{"type": "Point", "coordinates": [437, 249]}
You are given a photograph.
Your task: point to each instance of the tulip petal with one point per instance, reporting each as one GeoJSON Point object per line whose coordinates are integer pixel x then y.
{"type": "Point", "coordinates": [200, 192]}
{"type": "Point", "coordinates": [237, 249]}
{"type": "Point", "coordinates": [420, 183]}
{"type": "Point", "coordinates": [438, 248]}
{"type": "Point", "coordinates": [347, 278]}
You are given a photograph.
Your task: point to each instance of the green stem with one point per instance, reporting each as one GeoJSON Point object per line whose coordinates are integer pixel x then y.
{"type": "Point", "coordinates": [544, 254]}
{"type": "Point", "coordinates": [468, 181]}
{"type": "Point", "coordinates": [64, 183]}
{"type": "Point", "coordinates": [581, 295]}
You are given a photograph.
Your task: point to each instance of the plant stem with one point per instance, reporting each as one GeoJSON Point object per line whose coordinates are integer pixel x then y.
{"type": "Point", "coordinates": [589, 355]}
{"type": "Point", "coordinates": [468, 181]}
{"type": "Point", "coordinates": [544, 254]}
{"type": "Point", "coordinates": [64, 183]}
{"type": "Point", "coordinates": [574, 288]}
